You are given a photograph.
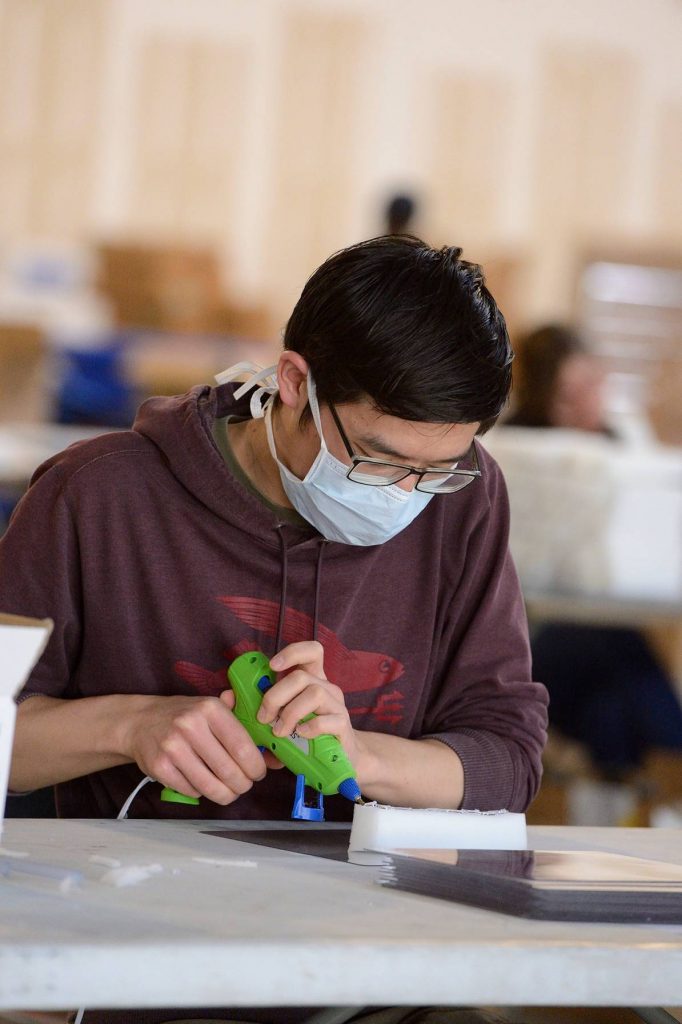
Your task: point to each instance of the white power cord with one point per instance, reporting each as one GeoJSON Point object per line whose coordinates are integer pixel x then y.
{"type": "Point", "coordinates": [123, 813]}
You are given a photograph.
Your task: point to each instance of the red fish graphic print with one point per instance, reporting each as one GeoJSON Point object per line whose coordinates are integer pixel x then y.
{"type": "Point", "coordinates": [360, 674]}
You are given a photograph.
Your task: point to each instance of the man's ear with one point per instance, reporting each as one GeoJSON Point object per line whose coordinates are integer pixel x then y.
{"type": "Point", "coordinates": [292, 376]}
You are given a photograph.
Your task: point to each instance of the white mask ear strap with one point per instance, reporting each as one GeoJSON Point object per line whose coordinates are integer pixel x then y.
{"type": "Point", "coordinates": [315, 407]}
{"type": "Point", "coordinates": [269, 385]}
{"type": "Point", "coordinates": [268, 430]}
{"type": "Point", "coordinates": [234, 371]}
{"type": "Point", "coordinates": [257, 406]}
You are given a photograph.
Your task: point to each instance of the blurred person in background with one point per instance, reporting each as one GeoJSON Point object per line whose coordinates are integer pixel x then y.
{"type": "Point", "coordinates": [560, 383]}
{"type": "Point", "coordinates": [399, 214]}
{"type": "Point", "coordinates": [607, 689]}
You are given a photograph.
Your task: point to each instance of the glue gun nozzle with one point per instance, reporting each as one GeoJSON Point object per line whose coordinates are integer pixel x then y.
{"type": "Point", "coordinates": [350, 789]}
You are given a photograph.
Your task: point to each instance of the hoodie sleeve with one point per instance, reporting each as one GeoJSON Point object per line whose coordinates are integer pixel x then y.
{"type": "Point", "coordinates": [485, 707]}
{"type": "Point", "coordinates": [40, 576]}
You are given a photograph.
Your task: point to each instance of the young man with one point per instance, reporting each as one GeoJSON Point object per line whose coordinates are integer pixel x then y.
{"type": "Point", "coordinates": [356, 533]}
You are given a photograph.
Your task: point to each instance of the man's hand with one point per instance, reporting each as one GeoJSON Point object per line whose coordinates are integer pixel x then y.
{"type": "Point", "coordinates": [196, 746]}
{"type": "Point", "coordinates": [390, 769]}
{"type": "Point", "coordinates": [302, 689]}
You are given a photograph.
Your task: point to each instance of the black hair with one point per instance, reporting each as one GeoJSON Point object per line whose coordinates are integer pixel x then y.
{"type": "Point", "coordinates": [412, 328]}
{"type": "Point", "coordinates": [541, 354]}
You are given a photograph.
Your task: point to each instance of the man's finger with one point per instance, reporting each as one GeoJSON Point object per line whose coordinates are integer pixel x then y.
{"type": "Point", "coordinates": [205, 782]}
{"type": "Point", "coordinates": [315, 699]}
{"type": "Point", "coordinates": [272, 761]}
{"type": "Point", "coordinates": [320, 692]}
{"type": "Point", "coordinates": [323, 725]}
{"type": "Point", "coordinates": [236, 740]}
{"type": "Point", "coordinates": [174, 779]}
{"type": "Point", "coordinates": [307, 654]}
{"type": "Point", "coordinates": [224, 764]}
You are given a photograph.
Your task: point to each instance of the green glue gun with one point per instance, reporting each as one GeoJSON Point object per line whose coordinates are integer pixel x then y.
{"type": "Point", "coordinates": [321, 761]}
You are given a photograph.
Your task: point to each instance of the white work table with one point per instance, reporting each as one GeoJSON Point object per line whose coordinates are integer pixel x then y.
{"type": "Point", "coordinates": [218, 922]}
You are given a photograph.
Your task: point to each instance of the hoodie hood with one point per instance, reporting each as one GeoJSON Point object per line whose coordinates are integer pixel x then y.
{"type": "Point", "coordinates": [181, 427]}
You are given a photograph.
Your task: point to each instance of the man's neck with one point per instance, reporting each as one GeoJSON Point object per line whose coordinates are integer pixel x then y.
{"type": "Point", "coordinates": [249, 443]}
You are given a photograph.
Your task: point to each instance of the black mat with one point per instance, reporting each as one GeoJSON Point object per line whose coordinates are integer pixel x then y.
{"type": "Point", "coordinates": [548, 885]}
{"type": "Point", "coordinates": [331, 844]}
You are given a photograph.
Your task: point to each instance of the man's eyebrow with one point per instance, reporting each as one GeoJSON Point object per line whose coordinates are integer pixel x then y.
{"type": "Point", "coordinates": [378, 445]}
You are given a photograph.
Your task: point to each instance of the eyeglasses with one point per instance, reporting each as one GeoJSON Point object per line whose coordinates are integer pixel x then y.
{"type": "Point", "coordinates": [378, 473]}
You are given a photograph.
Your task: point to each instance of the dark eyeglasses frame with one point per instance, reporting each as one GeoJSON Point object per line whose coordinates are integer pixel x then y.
{"type": "Point", "coordinates": [356, 460]}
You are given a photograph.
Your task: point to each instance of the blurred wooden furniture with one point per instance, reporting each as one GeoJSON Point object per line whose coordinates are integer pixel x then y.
{"type": "Point", "coordinates": [574, 793]}
{"type": "Point", "coordinates": [662, 783]}
{"type": "Point", "coordinates": [504, 278]}
{"type": "Point", "coordinates": [177, 289]}
{"type": "Point", "coordinates": [566, 762]}
{"type": "Point", "coordinates": [23, 356]}
{"type": "Point", "coordinates": [162, 287]}
{"type": "Point", "coordinates": [169, 364]}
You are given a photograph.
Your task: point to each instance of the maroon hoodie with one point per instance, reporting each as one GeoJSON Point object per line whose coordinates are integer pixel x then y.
{"type": "Point", "coordinates": [158, 566]}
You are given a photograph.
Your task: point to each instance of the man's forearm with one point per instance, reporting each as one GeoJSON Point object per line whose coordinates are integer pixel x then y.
{"type": "Point", "coordinates": [56, 740]}
{"type": "Point", "coordinates": [409, 773]}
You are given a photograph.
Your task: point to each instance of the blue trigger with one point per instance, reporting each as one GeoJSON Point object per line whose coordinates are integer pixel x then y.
{"type": "Point", "coordinates": [302, 811]}
{"type": "Point", "coordinates": [264, 683]}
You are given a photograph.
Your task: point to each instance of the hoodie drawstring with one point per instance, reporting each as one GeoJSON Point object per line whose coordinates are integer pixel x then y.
{"type": "Point", "coordinates": [282, 588]}
{"type": "Point", "coordinates": [318, 582]}
{"type": "Point", "coordinates": [284, 584]}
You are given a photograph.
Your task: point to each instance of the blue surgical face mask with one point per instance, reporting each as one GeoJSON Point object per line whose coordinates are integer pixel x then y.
{"type": "Point", "coordinates": [341, 510]}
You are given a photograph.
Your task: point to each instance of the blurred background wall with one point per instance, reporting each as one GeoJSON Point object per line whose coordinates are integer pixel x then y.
{"type": "Point", "coordinates": [273, 130]}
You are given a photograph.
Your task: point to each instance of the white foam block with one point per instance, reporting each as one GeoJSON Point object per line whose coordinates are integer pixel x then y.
{"type": "Point", "coordinates": [378, 827]}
